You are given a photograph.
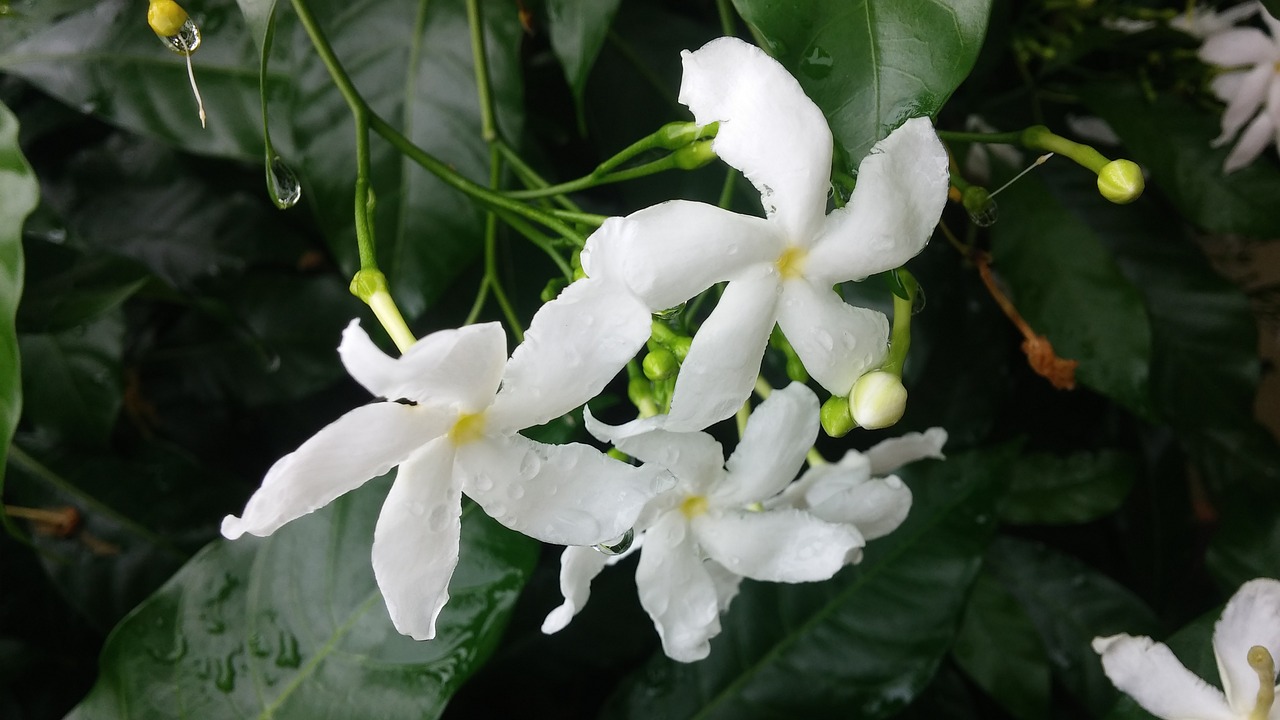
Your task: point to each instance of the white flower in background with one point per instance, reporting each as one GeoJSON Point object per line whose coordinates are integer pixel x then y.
{"type": "Point", "coordinates": [1092, 129]}
{"type": "Point", "coordinates": [1246, 642]}
{"type": "Point", "coordinates": [1128, 26]}
{"type": "Point", "coordinates": [977, 162]}
{"type": "Point", "coordinates": [451, 430]}
{"type": "Point", "coordinates": [781, 269]}
{"type": "Point", "coordinates": [702, 536]}
{"type": "Point", "coordinates": [1204, 22]}
{"type": "Point", "coordinates": [1250, 87]}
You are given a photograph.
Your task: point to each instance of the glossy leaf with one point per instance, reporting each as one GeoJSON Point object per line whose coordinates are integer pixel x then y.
{"type": "Point", "coordinates": [999, 648]}
{"type": "Point", "coordinates": [77, 394]}
{"type": "Point", "coordinates": [1070, 604]}
{"type": "Point", "coordinates": [862, 644]}
{"type": "Point", "coordinates": [1171, 137]}
{"type": "Point", "coordinates": [1068, 288]}
{"type": "Point", "coordinates": [578, 29]}
{"type": "Point", "coordinates": [871, 64]}
{"type": "Point", "coordinates": [18, 196]}
{"type": "Point", "coordinates": [1245, 545]}
{"type": "Point", "coordinates": [66, 288]}
{"type": "Point", "coordinates": [1047, 489]}
{"type": "Point", "coordinates": [294, 626]}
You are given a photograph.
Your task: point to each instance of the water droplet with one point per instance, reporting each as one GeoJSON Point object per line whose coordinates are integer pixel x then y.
{"type": "Point", "coordinates": [225, 679]}
{"type": "Point", "coordinates": [824, 339]}
{"type": "Point", "coordinates": [483, 482]}
{"type": "Point", "coordinates": [288, 656]}
{"type": "Point", "coordinates": [496, 510]}
{"type": "Point", "coordinates": [173, 654]}
{"type": "Point", "coordinates": [258, 646]}
{"type": "Point", "coordinates": [515, 491]}
{"type": "Point", "coordinates": [982, 519]}
{"type": "Point", "coordinates": [418, 509]}
{"type": "Point", "coordinates": [439, 519]}
{"type": "Point", "coordinates": [670, 312]}
{"type": "Point", "coordinates": [917, 303]}
{"type": "Point", "coordinates": [530, 466]}
{"type": "Point", "coordinates": [893, 481]}
{"type": "Point", "coordinates": [618, 545]}
{"type": "Point", "coordinates": [985, 216]}
{"type": "Point", "coordinates": [186, 41]}
{"type": "Point", "coordinates": [283, 184]}
{"type": "Point", "coordinates": [817, 63]}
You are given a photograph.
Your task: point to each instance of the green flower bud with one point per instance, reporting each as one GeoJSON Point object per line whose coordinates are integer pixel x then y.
{"type": "Point", "coordinates": [676, 135]}
{"type": "Point", "coordinates": [579, 273]}
{"type": "Point", "coordinates": [680, 347]}
{"type": "Point", "coordinates": [1121, 181]}
{"type": "Point", "coordinates": [552, 289]}
{"type": "Point", "coordinates": [640, 391]}
{"type": "Point", "coordinates": [837, 421]}
{"type": "Point", "coordinates": [368, 282]}
{"type": "Point", "coordinates": [694, 155]}
{"type": "Point", "coordinates": [878, 400]}
{"type": "Point", "coordinates": [660, 365]}
{"type": "Point", "coordinates": [796, 371]}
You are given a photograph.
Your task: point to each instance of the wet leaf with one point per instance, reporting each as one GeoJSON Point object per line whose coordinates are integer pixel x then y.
{"type": "Point", "coordinates": [78, 392]}
{"type": "Point", "coordinates": [1047, 489]}
{"type": "Point", "coordinates": [999, 648]}
{"type": "Point", "coordinates": [578, 29]}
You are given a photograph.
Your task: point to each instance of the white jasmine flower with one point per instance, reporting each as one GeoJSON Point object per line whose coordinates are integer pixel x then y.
{"type": "Point", "coordinates": [1204, 22]}
{"type": "Point", "coordinates": [781, 269]}
{"type": "Point", "coordinates": [1093, 129]}
{"type": "Point", "coordinates": [1246, 641]}
{"type": "Point", "coordinates": [700, 537]}
{"type": "Point", "coordinates": [451, 430]}
{"type": "Point", "coordinates": [1126, 25]}
{"type": "Point", "coordinates": [1250, 87]}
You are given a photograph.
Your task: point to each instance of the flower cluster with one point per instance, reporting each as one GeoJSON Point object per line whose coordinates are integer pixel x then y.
{"type": "Point", "coordinates": [452, 406]}
{"type": "Point", "coordinates": [1249, 82]}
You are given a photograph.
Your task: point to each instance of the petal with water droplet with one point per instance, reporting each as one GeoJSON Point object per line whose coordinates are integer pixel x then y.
{"type": "Point", "coordinates": [776, 545]}
{"type": "Point", "coordinates": [778, 435]}
{"type": "Point", "coordinates": [836, 341]}
{"type": "Point", "coordinates": [677, 591]}
{"type": "Point", "coordinates": [1149, 672]}
{"type": "Point", "coordinates": [578, 567]}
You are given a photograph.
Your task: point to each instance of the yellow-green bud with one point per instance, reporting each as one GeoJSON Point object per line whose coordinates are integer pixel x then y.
{"type": "Point", "coordinates": [1121, 181]}
{"type": "Point", "coordinates": [368, 282]}
{"type": "Point", "coordinates": [796, 371]}
{"type": "Point", "coordinates": [660, 364]}
{"type": "Point", "coordinates": [552, 289]}
{"type": "Point", "coordinates": [675, 135]}
{"type": "Point", "coordinates": [680, 347]}
{"type": "Point", "coordinates": [694, 155]}
{"type": "Point", "coordinates": [878, 400]}
{"type": "Point", "coordinates": [837, 421]}
{"type": "Point", "coordinates": [166, 17]}
{"type": "Point", "coordinates": [579, 273]}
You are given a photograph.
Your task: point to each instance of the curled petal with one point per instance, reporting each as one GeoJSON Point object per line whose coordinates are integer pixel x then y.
{"type": "Point", "coordinates": [776, 545]}
{"type": "Point", "coordinates": [723, 363]}
{"type": "Point", "coordinates": [447, 368]}
{"type": "Point", "coordinates": [889, 455]}
{"type": "Point", "coordinates": [725, 581]}
{"type": "Point", "coordinates": [415, 544]}
{"type": "Point", "coordinates": [876, 506]}
{"type": "Point", "coordinates": [1241, 46]}
{"type": "Point", "coordinates": [578, 567]}
{"type": "Point", "coordinates": [677, 591]}
{"type": "Point", "coordinates": [670, 252]}
{"type": "Point", "coordinates": [574, 346]}
{"type": "Point", "coordinates": [693, 457]}
{"type": "Point", "coordinates": [854, 467]}
{"type": "Point", "coordinates": [1253, 141]}
{"type": "Point", "coordinates": [563, 494]}
{"type": "Point", "coordinates": [1148, 672]}
{"type": "Point", "coordinates": [359, 446]}
{"type": "Point", "coordinates": [1241, 108]}
{"type": "Point", "coordinates": [836, 341]}
{"type": "Point", "coordinates": [769, 129]}
{"type": "Point", "coordinates": [1252, 617]}
{"type": "Point", "coordinates": [778, 435]}
{"type": "Point", "coordinates": [902, 187]}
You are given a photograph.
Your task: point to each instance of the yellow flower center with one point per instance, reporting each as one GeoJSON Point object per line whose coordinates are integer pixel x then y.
{"type": "Point", "coordinates": [468, 428]}
{"type": "Point", "coordinates": [693, 506]}
{"type": "Point", "coordinates": [1262, 663]}
{"type": "Point", "coordinates": [791, 262]}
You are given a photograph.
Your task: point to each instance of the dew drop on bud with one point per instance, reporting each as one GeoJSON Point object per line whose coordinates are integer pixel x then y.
{"type": "Point", "coordinates": [186, 40]}
{"type": "Point", "coordinates": [986, 216]}
{"type": "Point", "coordinates": [917, 302]}
{"type": "Point", "coordinates": [618, 545]}
{"type": "Point", "coordinates": [283, 184]}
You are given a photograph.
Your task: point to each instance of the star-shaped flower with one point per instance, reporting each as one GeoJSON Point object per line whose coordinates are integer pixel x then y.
{"type": "Point", "coordinates": [708, 532]}
{"type": "Point", "coordinates": [1246, 642]}
{"type": "Point", "coordinates": [1203, 22]}
{"type": "Point", "coordinates": [453, 407]}
{"type": "Point", "coordinates": [780, 268]}
{"type": "Point", "coordinates": [1250, 87]}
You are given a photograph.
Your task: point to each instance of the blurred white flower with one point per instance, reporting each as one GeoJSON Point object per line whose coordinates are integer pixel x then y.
{"type": "Point", "coordinates": [1204, 22]}
{"type": "Point", "coordinates": [1250, 86]}
{"type": "Point", "coordinates": [1246, 641]}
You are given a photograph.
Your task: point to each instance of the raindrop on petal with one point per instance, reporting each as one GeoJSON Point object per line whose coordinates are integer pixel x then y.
{"type": "Point", "coordinates": [670, 312]}
{"type": "Point", "coordinates": [618, 545]}
{"type": "Point", "coordinates": [283, 184]}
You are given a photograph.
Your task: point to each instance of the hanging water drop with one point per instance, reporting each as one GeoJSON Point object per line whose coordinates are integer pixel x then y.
{"type": "Point", "coordinates": [283, 184]}
{"type": "Point", "coordinates": [917, 302]}
{"type": "Point", "coordinates": [986, 215]}
{"type": "Point", "coordinates": [186, 40]}
{"type": "Point", "coordinates": [179, 33]}
{"type": "Point", "coordinates": [618, 545]}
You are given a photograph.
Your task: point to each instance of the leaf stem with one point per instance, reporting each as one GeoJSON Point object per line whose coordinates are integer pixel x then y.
{"type": "Point", "coordinates": [488, 128]}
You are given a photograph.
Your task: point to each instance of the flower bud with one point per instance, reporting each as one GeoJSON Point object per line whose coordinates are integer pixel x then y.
{"type": "Point", "coordinates": [1121, 181]}
{"type": "Point", "coordinates": [552, 289]}
{"type": "Point", "coordinates": [676, 135]}
{"type": "Point", "coordinates": [368, 282]}
{"type": "Point", "coordinates": [694, 155]}
{"type": "Point", "coordinates": [878, 400]}
{"type": "Point", "coordinates": [837, 421]}
{"type": "Point", "coordinates": [680, 347]}
{"type": "Point", "coordinates": [166, 17]}
{"type": "Point", "coordinates": [660, 365]}
{"type": "Point", "coordinates": [796, 371]}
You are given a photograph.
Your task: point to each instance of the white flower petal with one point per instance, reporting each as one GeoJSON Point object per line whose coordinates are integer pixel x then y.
{"type": "Point", "coordinates": [1273, 25]}
{"type": "Point", "coordinates": [1227, 85]}
{"type": "Point", "coordinates": [670, 252]}
{"type": "Point", "coordinates": [836, 341]}
{"type": "Point", "coordinates": [562, 494]}
{"type": "Point", "coordinates": [1252, 617]}
{"type": "Point", "coordinates": [694, 457]}
{"type": "Point", "coordinates": [451, 367]}
{"type": "Point", "coordinates": [776, 545]}
{"type": "Point", "coordinates": [723, 363]}
{"type": "Point", "coordinates": [769, 129]}
{"type": "Point", "coordinates": [578, 567]}
{"type": "Point", "coordinates": [902, 187]}
{"type": "Point", "coordinates": [677, 591]}
{"type": "Point", "coordinates": [779, 434]}
{"type": "Point", "coordinates": [1256, 137]}
{"type": "Point", "coordinates": [726, 582]}
{"type": "Point", "coordinates": [853, 467]}
{"type": "Point", "coordinates": [889, 455]}
{"type": "Point", "coordinates": [1149, 672]}
{"type": "Point", "coordinates": [1245, 103]}
{"type": "Point", "coordinates": [574, 346]}
{"type": "Point", "coordinates": [415, 544]}
{"type": "Point", "coordinates": [1241, 46]}
{"type": "Point", "coordinates": [357, 447]}
{"type": "Point", "coordinates": [876, 506]}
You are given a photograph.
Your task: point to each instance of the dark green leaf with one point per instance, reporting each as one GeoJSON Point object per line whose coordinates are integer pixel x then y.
{"type": "Point", "coordinates": [578, 29]}
{"type": "Point", "coordinates": [1171, 137]}
{"type": "Point", "coordinates": [76, 394]}
{"type": "Point", "coordinates": [294, 626]}
{"type": "Point", "coordinates": [65, 288]}
{"type": "Point", "coordinates": [1070, 604]}
{"type": "Point", "coordinates": [999, 647]}
{"type": "Point", "coordinates": [1272, 6]}
{"type": "Point", "coordinates": [18, 196]}
{"type": "Point", "coordinates": [861, 645]}
{"type": "Point", "coordinates": [1068, 288]}
{"type": "Point", "coordinates": [1047, 489]}
{"type": "Point", "coordinates": [871, 64]}
{"type": "Point", "coordinates": [1246, 544]}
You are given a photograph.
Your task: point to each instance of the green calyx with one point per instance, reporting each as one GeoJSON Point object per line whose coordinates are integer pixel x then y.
{"type": "Point", "coordinates": [837, 418]}
{"type": "Point", "coordinates": [368, 282]}
{"type": "Point", "coordinates": [676, 135]}
{"type": "Point", "coordinates": [693, 155]}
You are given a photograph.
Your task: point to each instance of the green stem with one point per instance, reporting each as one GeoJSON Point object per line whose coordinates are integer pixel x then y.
{"type": "Point", "coordinates": [900, 335]}
{"type": "Point", "coordinates": [491, 251]}
{"type": "Point", "coordinates": [725, 9]}
{"type": "Point", "coordinates": [529, 176]}
{"type": "Point", "coordinates": [600, 176]}
{"type": "Point", "coordinates": [488, 128]}
{"type": "Point", "coordinates": [481, 295]}
{"type": "Point", "coordinates": [540, 240]}
{"type": "Point", "coordinates": [1039, 138]}
{"type": "Point", "coordinates": [580, 217]}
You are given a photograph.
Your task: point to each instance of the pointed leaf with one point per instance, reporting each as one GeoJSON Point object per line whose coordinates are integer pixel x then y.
{"type": "Point", "coordinates": [1014, 669]}
{"type": "Point", "coordinates": [1047, 489]}
{"type": "Point", "coordinates": [578, 29]}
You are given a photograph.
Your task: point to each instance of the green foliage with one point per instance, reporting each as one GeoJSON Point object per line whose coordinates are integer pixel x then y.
{"type": "Point", "coordinates": [294, 626]}
{"type": "Point", "coordinates": [578, 29]}
{"type": "Point", "coordinates": [1000, 649]}
{"type": "Point", "coordinates": [1047, 489]}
